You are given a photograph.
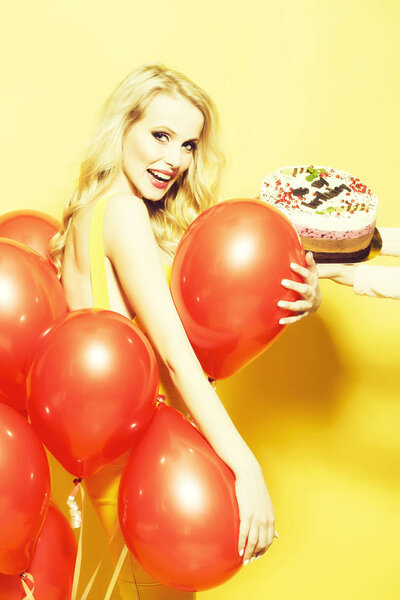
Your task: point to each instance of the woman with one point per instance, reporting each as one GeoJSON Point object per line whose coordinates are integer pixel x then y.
{"type": "Point", "coordinates": [150, 169]}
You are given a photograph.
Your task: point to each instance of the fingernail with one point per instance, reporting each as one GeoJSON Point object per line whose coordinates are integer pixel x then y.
{"type": "Point", "coordinates": [282, 321]}
{"type": "Point", "coordinates": [241, 552]}
{"type": "Point", "coordinates": [284, 282]}
{"type": "Point", "coordinates": [276, 534]}
{"type": "Point", "coordinates": [252, 558]}
{"type": "Point", "coordinates": [293, 266]}
{"type": "Point", "coordinates": [259, 556]}
{"type": "Point", "coordinates": [282, 304]}
{"type": "Point", "coordinates": [245, 562]}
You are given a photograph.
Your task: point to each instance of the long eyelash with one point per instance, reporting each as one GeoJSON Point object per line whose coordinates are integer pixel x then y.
{"type": "Point", "coordinates": [159, 134]}
{"type": "Point", "coordinates": [192, 145]}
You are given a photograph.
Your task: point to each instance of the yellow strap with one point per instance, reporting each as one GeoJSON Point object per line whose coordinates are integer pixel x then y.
{"type": "Point", "coordinates": [98, 275]}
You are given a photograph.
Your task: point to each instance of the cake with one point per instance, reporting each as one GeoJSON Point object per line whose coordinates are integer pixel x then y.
{"type": "Point", "coordinates": [333, 212]}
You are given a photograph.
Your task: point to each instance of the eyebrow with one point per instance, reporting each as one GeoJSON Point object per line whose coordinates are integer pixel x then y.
{"type": "Point", "coordinates": [165, 127]}
{"type": "Point", "coordinates": [174, 132]}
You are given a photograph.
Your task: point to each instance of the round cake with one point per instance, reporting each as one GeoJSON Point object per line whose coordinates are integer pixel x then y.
{"type": "Point", "coordinates": [333, 212]}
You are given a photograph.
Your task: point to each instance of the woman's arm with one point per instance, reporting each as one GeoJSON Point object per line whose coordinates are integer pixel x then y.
{"type": "Point", "coordinates": [129, 243]}
{"type": "Point", "coordinates": [369, 280]}
{"type": "Point", "coordinates": [340, 273]}
{"type": "Point", "coordinates": [390, 240]}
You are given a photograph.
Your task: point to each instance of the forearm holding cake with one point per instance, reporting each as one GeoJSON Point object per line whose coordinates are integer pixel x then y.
{"type": "Point", "coordinates": [390, 241]}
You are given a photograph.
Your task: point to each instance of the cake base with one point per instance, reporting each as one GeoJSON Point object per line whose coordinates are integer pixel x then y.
{"type": "Point", "coordinates": [341, 257]}
{"type": "Point", "coordinates": [373, 249]}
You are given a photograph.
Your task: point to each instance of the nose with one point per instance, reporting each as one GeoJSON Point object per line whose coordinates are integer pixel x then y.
{"type": "Point", "coordinates": [173, 155]}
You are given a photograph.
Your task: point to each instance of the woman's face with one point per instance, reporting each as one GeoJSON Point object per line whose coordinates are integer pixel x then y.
{"type": "Point", "coordinates": [160, 147]}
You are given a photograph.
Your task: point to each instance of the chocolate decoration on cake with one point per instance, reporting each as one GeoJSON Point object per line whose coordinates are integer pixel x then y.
{"type": "Point", "coordinates": [319, 182]}
{"type": "Point", "coordinates": [314, 203]}
{"type": "Point", "coordinates": [300, 192]}
{"type": "Point", "coordinates": [328, 195]}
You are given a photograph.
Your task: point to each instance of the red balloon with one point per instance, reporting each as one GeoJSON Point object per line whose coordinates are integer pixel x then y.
{"type": "Point", "coordinates": [177, 506]}
{"type": "Point", "coordinates": [31, 298]}
{"type": "Point", "coordinates": [24, 491]}
{"type": "Point", "coordinates": [52, 566]}
{"type": "Point", "coordinates": [32, 228]}
{"type": "Point", "coordinates": [91, 388]}
{"type": "Point", "coordinates": [226, 282]}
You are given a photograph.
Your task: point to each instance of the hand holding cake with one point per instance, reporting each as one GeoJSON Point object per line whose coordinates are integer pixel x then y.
{"type": "Point", "coordinates": [370, 280]}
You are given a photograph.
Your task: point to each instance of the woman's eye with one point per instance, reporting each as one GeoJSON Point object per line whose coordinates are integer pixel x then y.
{"type": "Point", "coordinates": [190, 146]}
{"type": "Point", "coordinates": [160, 136]}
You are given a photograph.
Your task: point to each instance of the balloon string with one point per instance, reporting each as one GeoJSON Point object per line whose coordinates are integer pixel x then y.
{"type": "Point", "coordinates": [78, 563]}
{"type": "Point", "coordinates": [75, 515]}
{"type": "Point", "coordinates": [27, 590]}
{"type": "Point", "coordinates": [93, 577]}
{"type": "Point", "coordinates": [117, 570]}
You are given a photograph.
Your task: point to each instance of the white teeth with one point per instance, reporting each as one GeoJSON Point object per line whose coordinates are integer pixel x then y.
{"type": "Point", "coordinates": [159, 176]}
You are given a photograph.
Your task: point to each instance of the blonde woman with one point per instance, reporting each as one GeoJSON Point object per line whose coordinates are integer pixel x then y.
{"type": "Point", "coordinates": [150, 169]}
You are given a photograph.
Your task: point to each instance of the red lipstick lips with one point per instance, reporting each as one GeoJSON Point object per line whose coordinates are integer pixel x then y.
{"type": "Point", "coordinates": [156, 179]}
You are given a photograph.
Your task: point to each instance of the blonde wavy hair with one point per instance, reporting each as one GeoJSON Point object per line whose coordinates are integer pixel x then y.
{"type": "Point", "coordinates": [193, 192]}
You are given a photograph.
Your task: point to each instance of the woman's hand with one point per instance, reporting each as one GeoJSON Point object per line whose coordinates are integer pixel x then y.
{"type": "Point", "coordinates": [337, 272]}
{"type": "Point", "coordinates": [309, 290]}
{"type": "Point", "coordinates": [257, 520]}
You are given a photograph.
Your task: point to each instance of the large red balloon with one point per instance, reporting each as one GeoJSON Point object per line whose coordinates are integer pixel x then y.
{"type": "Point", "coordinates": [226, 282]}
{"type": "Point", "coordinates": [31, 298]}
{"type": "Point", "coordinates": [32, 228]}
{"type": "Point", "coordinates": [91, 388]}
{"type": "Point", "coordinates": [24, 491]}
{"type": "Point", "coordinates": [53, 563]}
{"type": "Point", "coordinates": [177, 506]}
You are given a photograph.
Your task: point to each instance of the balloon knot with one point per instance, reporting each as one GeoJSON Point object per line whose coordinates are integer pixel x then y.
{"type": "Point", "coordinates": [213, 382]}
{"type": "Point", "coordinates": [77, 480]}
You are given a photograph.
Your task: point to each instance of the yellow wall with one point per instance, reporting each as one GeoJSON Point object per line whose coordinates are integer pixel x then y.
{"type": "Point", "coordinates": [299, 81]}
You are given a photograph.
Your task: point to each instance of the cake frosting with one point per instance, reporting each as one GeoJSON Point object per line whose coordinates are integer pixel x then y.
{"type": "Point", "coordinates": [333, 212]}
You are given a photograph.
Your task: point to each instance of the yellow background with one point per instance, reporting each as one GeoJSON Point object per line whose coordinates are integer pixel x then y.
{"type": "Point", "coordinates": [299, 81]}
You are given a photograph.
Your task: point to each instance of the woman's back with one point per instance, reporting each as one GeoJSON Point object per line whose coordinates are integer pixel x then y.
{"type": "Point", "coordinates": [76, 265]}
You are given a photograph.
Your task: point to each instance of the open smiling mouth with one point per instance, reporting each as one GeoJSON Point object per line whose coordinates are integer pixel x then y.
{"type": "Point", "coordinates": [160, 176]}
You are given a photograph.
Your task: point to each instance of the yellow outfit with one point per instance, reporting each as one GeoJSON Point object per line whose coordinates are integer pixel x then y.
{"type": "Point", "coordinates": [102, 488]}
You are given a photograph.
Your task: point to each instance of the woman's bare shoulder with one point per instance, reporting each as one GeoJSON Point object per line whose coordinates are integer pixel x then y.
{"type": "Point", "coordinates": [124, 205]}
{"type": "Point", "coordinates": [126, 216]}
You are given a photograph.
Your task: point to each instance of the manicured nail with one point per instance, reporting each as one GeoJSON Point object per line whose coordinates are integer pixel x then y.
{"type": "Point", "coordinates": [246, 562]}
{"type": "Point", "coordinates": [282, 322]}
{"type": "Point", "coordinates": [252, 558]}
{"type": "Point", "coordinates": [293, 266]}
{"type": "Point", "coordinates": [276, 534]}
{"type": "Point", "coordinates": [285, 282]}
{"type": "Point", "coordinates": [282, 304]}
{"type": "Point", "coordinates": [241, 552]}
